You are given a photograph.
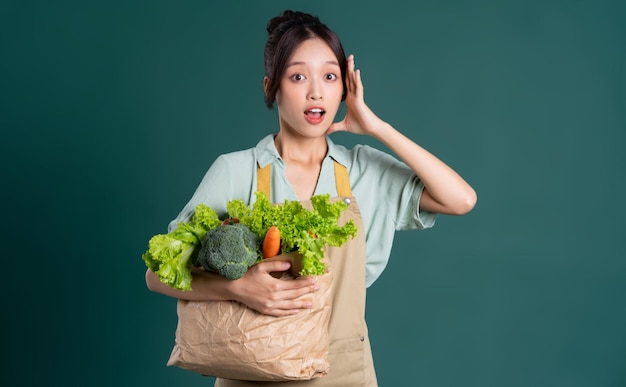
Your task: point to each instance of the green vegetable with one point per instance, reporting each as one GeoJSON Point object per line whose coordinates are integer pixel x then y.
{"type": "Point", "coordinates": [302, 230]}
{"type": "Point", "coordinates": [229, 249]}
{"type": "Point", "coordinates": [171, 256]}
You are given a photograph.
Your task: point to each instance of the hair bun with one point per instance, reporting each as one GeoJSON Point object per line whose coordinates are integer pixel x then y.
{"type": "Point", "coordinates": [288, 19]}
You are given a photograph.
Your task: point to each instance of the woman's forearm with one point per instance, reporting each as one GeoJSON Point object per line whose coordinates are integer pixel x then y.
{"type": "Point", "coordinates": [257, 289]}
{"type": "Point", "coordinates": [206, 287]}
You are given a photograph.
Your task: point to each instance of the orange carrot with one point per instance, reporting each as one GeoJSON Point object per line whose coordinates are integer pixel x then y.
{"type": "Point", "coordinates": [271, 242]}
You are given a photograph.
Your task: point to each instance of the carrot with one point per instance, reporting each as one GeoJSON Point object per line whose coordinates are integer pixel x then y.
{"type": "Point", "coordinates": [271, 242]}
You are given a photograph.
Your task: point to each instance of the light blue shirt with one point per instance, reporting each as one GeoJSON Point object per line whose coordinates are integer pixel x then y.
{"type": "Point", "coordinates": [387, 191]}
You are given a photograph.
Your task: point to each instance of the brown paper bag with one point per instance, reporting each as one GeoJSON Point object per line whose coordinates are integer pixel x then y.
{"type": "Point", "coordinates": [226, 339]}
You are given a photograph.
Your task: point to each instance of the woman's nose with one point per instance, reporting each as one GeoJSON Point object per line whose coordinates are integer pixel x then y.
{"type": "Point", "coordinates": [315, 92]}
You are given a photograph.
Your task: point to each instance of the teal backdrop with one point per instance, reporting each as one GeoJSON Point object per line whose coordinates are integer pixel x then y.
{"type": "Point", "coordinates": [112, 111]}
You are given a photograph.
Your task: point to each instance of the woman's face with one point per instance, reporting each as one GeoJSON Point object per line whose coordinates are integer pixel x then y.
{"type": "Point", "coordinates": [310, 89]}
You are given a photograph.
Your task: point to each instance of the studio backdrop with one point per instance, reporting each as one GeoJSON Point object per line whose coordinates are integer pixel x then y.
{"type": "Point", "coordinates": [111, 112]}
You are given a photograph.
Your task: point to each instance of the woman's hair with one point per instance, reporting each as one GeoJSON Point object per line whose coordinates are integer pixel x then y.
{"type": "Point", "coordinates": [285, 33]}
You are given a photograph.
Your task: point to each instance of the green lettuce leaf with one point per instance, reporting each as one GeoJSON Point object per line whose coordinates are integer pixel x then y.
{"type": "Point", "coordinates": [171, 256]}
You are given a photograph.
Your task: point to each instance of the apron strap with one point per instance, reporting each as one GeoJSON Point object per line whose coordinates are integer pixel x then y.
{"type": "Point", "coordinates": [263, 179]}
{"type": "Point", "coordinates": [342, 181]}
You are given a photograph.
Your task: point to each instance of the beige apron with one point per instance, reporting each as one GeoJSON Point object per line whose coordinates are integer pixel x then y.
{"type": "Point", "coordinates": [350, 357]}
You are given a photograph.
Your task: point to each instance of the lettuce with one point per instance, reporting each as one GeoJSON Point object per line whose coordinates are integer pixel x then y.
{"type": "Point", "coordinates": [170, 256]}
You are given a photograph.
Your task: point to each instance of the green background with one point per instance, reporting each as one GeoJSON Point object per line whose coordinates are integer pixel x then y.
{"type": "Point", "coordinates": [112, 111]}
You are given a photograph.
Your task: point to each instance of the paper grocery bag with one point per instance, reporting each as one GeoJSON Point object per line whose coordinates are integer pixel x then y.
{"type": "Point", "coordinates": [226, 339]}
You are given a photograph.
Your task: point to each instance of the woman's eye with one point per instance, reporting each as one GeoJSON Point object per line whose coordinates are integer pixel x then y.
{"type": "Point", "coordinates": [297, 77]}
{"type": "Point", "coordinates": [331, 77]}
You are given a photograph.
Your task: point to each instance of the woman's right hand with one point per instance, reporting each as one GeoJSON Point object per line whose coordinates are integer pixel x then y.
{"type": "Point", "coordinates": [259, 290]}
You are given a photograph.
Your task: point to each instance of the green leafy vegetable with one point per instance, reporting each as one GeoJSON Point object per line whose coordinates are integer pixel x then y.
{"type": "Point", "coordinates": [171, 256]}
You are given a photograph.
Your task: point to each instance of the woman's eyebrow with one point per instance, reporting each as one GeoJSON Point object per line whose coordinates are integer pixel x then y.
{"type": "Point", "coordinates": [296, 63]}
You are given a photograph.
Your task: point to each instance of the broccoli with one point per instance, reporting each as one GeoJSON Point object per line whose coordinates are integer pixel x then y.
{"type": "Point", "coordinates": [229, 249]}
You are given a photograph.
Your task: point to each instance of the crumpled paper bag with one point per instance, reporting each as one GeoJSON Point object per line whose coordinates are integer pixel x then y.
{"type": "Point", "coordinates": [227, 339]}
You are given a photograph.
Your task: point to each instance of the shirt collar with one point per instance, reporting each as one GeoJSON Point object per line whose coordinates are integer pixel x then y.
{"type": "Point", "coordinates": [338, 153]}
{"type": "Point", "coordinates": [267, 153]}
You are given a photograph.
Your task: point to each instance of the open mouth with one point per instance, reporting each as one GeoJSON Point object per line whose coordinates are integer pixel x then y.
{"type": "Point", "coordinates": [315, 113]}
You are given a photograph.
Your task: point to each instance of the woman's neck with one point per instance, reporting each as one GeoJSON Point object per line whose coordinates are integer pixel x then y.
{"type": "Point", "coordinates": [301, 150]}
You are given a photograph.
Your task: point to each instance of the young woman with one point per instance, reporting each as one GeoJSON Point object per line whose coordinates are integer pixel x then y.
{"type": "Point", "coordinates": [307, 76]}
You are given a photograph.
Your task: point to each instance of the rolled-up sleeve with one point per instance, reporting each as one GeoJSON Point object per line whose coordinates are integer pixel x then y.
{"type": "Point", "coordinates": [413, 217]}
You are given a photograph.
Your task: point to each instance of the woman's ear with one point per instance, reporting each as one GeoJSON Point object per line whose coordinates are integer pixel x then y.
{"type": "Point", "coordinates": [266, 82]}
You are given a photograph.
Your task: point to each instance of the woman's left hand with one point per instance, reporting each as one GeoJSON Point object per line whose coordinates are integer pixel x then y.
{"type": "Point", "coordinates": [359, 119]}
